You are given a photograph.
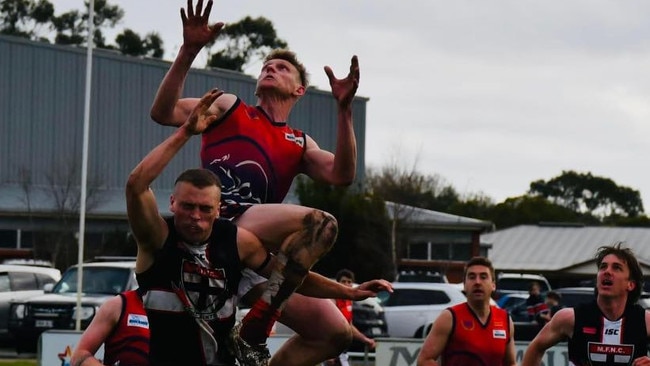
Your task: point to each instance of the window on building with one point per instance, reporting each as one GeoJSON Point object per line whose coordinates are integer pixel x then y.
{"type": "Point", "coordinates": [8, 238]}
{"type": "Point", "coordinates": [418, 251]}
{"type": "Point", "coordinates": [442, 245]}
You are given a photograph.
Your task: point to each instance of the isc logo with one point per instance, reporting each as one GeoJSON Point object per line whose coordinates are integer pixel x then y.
{"type": "Point", "coordinates": [611, 331]}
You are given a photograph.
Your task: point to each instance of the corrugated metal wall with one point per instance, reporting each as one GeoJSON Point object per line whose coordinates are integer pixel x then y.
{"type": "Point", "coordinates": [42, 106]}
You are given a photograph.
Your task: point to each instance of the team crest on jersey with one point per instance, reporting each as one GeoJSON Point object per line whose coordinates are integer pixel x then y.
{"type": "Point", "coordinates": [468, 324]}
{"type": "Point", "coordinates": [200, 288]}
{"type": "Point", "coordinates": [298, 140]}
{"type": "Point", "coordinates": [137, 320]}
{"type": "Point", "coordinates": [499, 334]}
{"type": "Point", "coordinates": [610, 354]}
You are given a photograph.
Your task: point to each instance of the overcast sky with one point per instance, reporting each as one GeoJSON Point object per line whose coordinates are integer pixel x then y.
{"type": "Point", "coordinates": [490, 95]}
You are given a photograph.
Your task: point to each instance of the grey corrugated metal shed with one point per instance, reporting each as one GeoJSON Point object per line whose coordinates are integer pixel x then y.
{"type": "Point", "coordinates": [540, 248]}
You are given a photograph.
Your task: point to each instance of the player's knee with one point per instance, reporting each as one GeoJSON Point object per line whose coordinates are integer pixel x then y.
{"type": "Point", "coordinates": [341, 339]}
{"type": "Point", "coordinates": [325, 228]}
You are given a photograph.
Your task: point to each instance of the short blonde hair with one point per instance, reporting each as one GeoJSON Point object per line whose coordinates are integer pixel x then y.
{"type": "Point", "coordinates": [284, 54]}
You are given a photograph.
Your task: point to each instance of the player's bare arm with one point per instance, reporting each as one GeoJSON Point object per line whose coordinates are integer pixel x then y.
{"type": "Point", "coordinates": [338, 168]}
{"type": "Point", "coordinates": [316, 285]}
{"type": "Point", "coordinates": [148, 226]}
{"type": "Point", "coordinates": [559, 328]}
{"type": "Point", "coordinates": [436, 340]}
{"type": "Point", "coordinates": [97, 332]}
{"type": "Point", "coordinates": [168, 108]}
{"type": "Point", "coordinates": [511, 352]}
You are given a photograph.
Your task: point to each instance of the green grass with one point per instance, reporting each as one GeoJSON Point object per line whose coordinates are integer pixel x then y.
{"type": "Point", "coordinates": [18, 362]}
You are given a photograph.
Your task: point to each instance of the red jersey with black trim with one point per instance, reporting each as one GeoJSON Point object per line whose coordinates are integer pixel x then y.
{"type": "Point", "coordinates": [128, 343]}
{"type": "Point", "coordinates": [472, 343]}
{"type": "Point", "coordinates": [345, 306]}
{"type": "Point", "coordinates": [255, 157]}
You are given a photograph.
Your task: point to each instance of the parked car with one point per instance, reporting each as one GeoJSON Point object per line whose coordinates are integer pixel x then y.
{"type": "Point", "coordinates": [19, 282]}
{"type": "Point", "coordinates": [421, 276]}
{"type": "Point", "coordinates": [413, 306]}
{"type": "Point", "coordinates": [368, 316]}
{"type": "Point", "coordinates": [509, 283]}
{"type": "Point", "coordinates": [461, 287]}
{"type": "Point", "coordinates": [573, 296]}
{"type": "Point", "coordinates": [526, 330]}
{"type": "Point", "coordinates": [56, 309]}
{"type": "Point", "coordinates": [515, 305]}
{"type": "Point", "coordinates": [644, 300]}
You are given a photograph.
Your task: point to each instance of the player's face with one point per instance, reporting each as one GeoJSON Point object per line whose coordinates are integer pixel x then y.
{"type": "Point", "coordinates": [279, 77]}
{"type": "Point", "coordinates": [613, 279]}
{"type": "Point", "coordinates": [347, 281]}
{"type": "Point", "coordinates": [478, 283]}
{"type": "Point", "coordinates": [195, 210]}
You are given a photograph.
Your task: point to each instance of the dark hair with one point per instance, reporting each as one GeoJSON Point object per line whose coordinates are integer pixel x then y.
{"type": "Point", "coordinates": [283, 54]}
{"type": "Point", "coordinates": [554, 296]}
{"type": "Point", "coordinates": [534, 284]}
{"type": "Point", "coordinates": [479, 261]}
{"type": "Point", "coordinates": [344, 273]}
{"type": "Point", "coordinates": [200, 178]}
{"type": "Point", "coordinates": [626, 255]}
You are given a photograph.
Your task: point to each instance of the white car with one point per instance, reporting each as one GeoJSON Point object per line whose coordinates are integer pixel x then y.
{"type": "Point", "coordinates": [18, 282]}
{"type": "Point", "coordinates": [56, 309]}
{"type": "Point", "coordinates": [413, 306]}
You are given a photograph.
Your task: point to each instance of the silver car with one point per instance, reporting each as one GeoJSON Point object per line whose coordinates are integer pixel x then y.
{"type": "Point", "coordinates": [413, 306]}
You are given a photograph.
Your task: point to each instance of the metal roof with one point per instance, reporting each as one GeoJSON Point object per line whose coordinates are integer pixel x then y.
{"type": "Point", "coordinates": [415, 216]}
{"type": "Point", "coordinates": [531, 248]}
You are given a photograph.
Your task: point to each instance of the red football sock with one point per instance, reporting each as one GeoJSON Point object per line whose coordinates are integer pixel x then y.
{"type": "Point", "coordinates": [258, 323]}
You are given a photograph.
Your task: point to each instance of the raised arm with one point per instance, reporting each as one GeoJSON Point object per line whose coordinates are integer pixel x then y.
{"type": "Point", "coordinates": [168, 108]}
{"type": "Point", "coordinates": [97, 332]}
{"type": "Point", "coordinates": [559, 328]}
{"type": "Point", "coordinates": [338, 168]}
{"type": "Point", "coordinates": [148, 227]}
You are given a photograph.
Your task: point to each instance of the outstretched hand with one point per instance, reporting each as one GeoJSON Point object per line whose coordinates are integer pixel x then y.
{"type": "Point", "coordinates": [196, 31]}
{"type": "Point", "coordinates": [201, 118]}
{"type": "Point", "coordinates": [370, 289]}
{"type": "Point", "coordinates": [344, 90]}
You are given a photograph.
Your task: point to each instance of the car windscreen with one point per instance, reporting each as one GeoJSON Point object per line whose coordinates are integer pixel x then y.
{"type": "Point", "coordinates": [96, 280]}
{"type": "Point", "coordinates": [518, 284]}
{"type": "Point", "coordinates": [407, 297]}
{"type": "Point", "coordinates": [573, 299]}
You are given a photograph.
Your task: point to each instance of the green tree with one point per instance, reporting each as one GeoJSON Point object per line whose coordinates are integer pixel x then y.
{"type": "Point", "coordinates": [531, 210]}
{"type": "Point", "coordinates": [478, 206]}
{"type": "Point", "coordinates": [362, 244]}
{"type": "Point", "coordinates": [586, 193]}
{"type": "Point", "coordinates": [72, 27]}
{"type": "Point", "coordinates": [33, 19]}
{"type": "Point", "coordinates": [25, 18]}
{"type": "Point", "coordinates": [130, 43]}
{"type": "Point", "coordinates": [245, 42]}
